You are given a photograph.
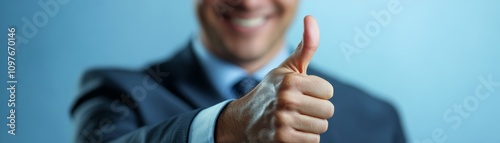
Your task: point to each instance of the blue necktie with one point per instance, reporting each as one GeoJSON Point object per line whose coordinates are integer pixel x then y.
{"type": "Point", "coordinates": [244, 86]}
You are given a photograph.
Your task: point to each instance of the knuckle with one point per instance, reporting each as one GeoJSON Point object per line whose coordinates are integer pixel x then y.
{"type": "Point", "coordinates": [325, 85]}
{"type": "Point", "coordinates": [316, 139]}
{"type": "Point", "coordinates": [328, 87]}
{"type": "Point", "coordinates": [281, 120]}
{"type": "Point", "coordinates": [330, 109]}
{"type": "Point", "coordinates": [282, 135]}
{"type": "Point", "coordinates": [324, 126]}
{"type": "Point", "coordinates": [289, 81]}
{"type": "Point", "coordinates": [287, 102]}
{"type": "Point", "coordinates": [331, 90]}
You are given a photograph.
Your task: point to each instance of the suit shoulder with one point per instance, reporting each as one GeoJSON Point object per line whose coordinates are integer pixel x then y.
{"type": "Point", "coordinates": [108, 73]}
{"type": "Point", "coordinates": [110, 82]}
{"type": "Point", "coordinates": [113, 79]}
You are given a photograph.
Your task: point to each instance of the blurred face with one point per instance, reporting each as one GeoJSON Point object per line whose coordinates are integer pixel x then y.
{"type": "Point", "coordinates": [244, 30]}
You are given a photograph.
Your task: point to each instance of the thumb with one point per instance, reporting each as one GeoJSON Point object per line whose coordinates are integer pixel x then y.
{"type": "Point", "coordinates": [303, 54]}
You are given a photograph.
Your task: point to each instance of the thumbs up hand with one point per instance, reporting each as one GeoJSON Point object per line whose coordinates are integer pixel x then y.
{"type": "Point", "coordinates": [287, 106]}
{"type": "Point", "coordinates": [302, 56]}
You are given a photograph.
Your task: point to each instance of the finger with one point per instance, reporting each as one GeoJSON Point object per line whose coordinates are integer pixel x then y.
{"type": "Point", "coordinates": [306, 105]}
{"type": "Point", "coordinates": [310, 124]}
{"type": "Point", "coordinates": [291, 135]}
{"type": "Point", "coordinates": [315, 107]}
{"type": "Point", "coordinates": [301, 57]}
{"type": "Point", "coordinates": [309, 85]}
{"type": "Point", "coordinates": [317, 87]}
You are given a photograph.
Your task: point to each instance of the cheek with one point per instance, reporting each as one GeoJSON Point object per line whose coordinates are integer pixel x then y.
{"type": "Point", "coordinates": [208, 18]}
{"type": "Point", "coordinates": [287, 9]}
{"type": "Point", "coordinates": [287, 5]}
{"type": "Point", "coordinates": [206, 10]}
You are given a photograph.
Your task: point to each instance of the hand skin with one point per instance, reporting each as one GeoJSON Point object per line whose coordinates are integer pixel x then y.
{"type": "Point", "coordinates": [287, 106]}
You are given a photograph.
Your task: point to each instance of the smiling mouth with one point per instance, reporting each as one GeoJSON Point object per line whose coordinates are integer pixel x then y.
{"type": "Point", "coordinates": [246, 24]}
{"type": "Point", "coordinates": [252, 22]}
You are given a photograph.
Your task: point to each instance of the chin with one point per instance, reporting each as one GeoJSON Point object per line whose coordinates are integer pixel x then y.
{"type": "Point", "coordinates": [247, 53]}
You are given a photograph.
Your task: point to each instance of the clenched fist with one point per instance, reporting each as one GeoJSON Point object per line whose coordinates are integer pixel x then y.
{"type": "Point", "coordinates": [287, 106]}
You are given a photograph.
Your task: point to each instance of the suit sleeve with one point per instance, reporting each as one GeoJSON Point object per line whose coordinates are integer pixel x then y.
{"type": "Point", "coordinates": [399, 136]}
{"type": "Point", "coordinates": [102, 119]}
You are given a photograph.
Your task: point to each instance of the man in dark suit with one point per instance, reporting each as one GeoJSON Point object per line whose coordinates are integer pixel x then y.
{"type": "Point", "coordinates": [235, 82]}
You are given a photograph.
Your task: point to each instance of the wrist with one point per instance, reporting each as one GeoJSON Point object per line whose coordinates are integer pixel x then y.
{"type": "Point", "coordinates": [229, 126]}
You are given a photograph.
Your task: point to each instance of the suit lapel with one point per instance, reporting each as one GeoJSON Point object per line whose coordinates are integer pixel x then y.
{"type": "Point", "coordinates": [187, 79]}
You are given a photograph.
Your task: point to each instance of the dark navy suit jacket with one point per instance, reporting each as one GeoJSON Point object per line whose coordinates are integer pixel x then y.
{"type": "Point", "coordinates": [159, 103]}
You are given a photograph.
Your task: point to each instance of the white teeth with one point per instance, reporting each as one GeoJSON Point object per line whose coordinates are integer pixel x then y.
{"type": "Point", "coordinates": [248, 22]}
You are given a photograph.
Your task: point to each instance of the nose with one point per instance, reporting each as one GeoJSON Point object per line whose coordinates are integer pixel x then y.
{"type": "Point", "coordinates": [248, 5]}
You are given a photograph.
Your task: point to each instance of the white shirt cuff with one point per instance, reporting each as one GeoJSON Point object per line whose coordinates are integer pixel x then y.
{"type": "Point", "coordinates": [202, 128]}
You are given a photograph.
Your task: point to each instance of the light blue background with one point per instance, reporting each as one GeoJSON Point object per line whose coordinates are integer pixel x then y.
{"type": "Point", "coordinates": [428, 58]}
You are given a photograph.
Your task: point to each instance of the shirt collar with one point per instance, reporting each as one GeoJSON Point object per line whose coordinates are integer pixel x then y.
{"type": "Point", "coordinates": [223, 75]}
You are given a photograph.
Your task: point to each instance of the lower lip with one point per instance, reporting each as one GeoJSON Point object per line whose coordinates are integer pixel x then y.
{"type": "Point", "coordinates": [245, 30]}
